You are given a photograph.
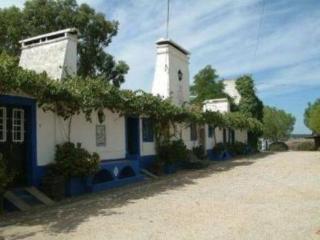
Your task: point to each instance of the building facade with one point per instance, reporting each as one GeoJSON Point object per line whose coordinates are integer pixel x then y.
{"type": "Point", "coordinates": [125, 144]}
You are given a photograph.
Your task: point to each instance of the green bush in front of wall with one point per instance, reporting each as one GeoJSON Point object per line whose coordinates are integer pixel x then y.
{"type": "Point", "coordinates": [199, 152]}
{"type": "Point", "coordinates": [171, 152]}
{"type": "Point", "coordinates": [5, 178]}
{"type": "Point", "coordinates": [74, 161]}
{"type": "Point", "coordinates": [278, 147]}
{"type": "Point", "coordinates": [236, 149]}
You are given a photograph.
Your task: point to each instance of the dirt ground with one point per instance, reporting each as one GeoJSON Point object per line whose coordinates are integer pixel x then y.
{"type": "Point", "coordinates": [267, 196]}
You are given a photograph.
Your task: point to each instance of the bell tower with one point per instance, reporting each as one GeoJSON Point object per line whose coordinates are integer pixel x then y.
{"type": "Point", "coordinates": [171, 78]}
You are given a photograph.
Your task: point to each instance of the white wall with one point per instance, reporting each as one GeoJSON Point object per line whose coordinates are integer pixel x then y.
{"type": "Point", "coordinates": [56, 57]}
{"type": "Point", "coordinates": [241, 136]}
{"type": "Point", "coordinates": [52, 130]}
{"type": "Point", "coordinates": [230, 89]}
{"type": "Point", "coordinates": [166, 81]}
{"type": "Point", "coordinates": [221, 105]}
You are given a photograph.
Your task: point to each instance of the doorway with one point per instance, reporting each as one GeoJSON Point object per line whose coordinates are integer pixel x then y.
{"type": "Point", "coordinates": [13, 141]}
{"type": "Point", "coordinates": [18, 138]}
{"type": "Point", "coordinates": [132, 138]}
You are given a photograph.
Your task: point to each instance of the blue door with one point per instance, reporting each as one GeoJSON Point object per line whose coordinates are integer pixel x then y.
{"type": "Point", "coordinates": [13, 141]}
{"type": "Point", "coordinates": [132, 138]}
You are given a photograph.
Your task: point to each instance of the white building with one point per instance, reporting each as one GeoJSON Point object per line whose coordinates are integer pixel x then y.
{"type": "Point", "coordinates": [29, 135]}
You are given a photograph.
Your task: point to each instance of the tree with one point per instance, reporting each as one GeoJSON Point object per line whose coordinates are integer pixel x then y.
{"type": "Point", "coordinates": [312, 116]}
{"type": "Point", "coordinates": [43, 16]}
{"type": "Point", "coordinates": [249, 104]}
{"type": "Point", "coordinates": [207, 85]}
{"type": "Point", "coordinates": [277, 124]}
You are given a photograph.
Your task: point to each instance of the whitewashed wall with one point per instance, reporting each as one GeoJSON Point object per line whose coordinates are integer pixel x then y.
{"type": "Point", "coordinates": [241, 136]}
{"type": "Point", "coordinates": [230, 89]}
{"type": "Point", "coordinates": [52, 130]}
{"type": "Point", "coordinates": [166, 82]}
{"type": "Point", "coordinates": [56, 57]}
{"type": "Point", "coordinates": [221, 105]}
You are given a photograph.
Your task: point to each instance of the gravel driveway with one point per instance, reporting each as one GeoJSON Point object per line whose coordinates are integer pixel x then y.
{"type": "Point", "coordinates": [267, 196]}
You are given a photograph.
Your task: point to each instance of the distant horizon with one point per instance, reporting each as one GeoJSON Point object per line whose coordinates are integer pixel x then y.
{"type": "Point", "coordinates": [277, 42]}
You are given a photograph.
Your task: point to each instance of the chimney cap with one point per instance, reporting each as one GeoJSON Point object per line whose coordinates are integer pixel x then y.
{"type": "Point", "coordinates": [163, 41]}
{"type": "Point", "coordinates": [48, 35]}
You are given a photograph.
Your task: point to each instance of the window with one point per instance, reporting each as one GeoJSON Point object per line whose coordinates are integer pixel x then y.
{"type": "Point", "coordinates": [193, 132]}
{"type": "Point", "coordinates": [210, 131]}
{"type": "Point", "coordinates": [18, 125]}
{"type": "Point", "coordinates": [147, 130]}
{"type": "Point", "coordinates": [101, 135]}
{"type": "Point", "coordinates": [3, 124]}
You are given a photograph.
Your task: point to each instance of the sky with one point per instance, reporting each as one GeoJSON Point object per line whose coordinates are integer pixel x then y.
{"type": "Point", "coordinates": [276, 41]}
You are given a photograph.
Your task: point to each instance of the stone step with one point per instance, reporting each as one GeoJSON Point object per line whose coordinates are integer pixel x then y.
{"type": "Point", "coordinates": [40, 196]}
{"type": "Point", "coordinates": [148, 174]}
{"type": "Point", "coordinates": [16, 201]}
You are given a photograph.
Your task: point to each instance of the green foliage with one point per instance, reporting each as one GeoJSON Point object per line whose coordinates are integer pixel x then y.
{"type": "Point", "coordinates": [250, 105]}
{"type": "Point", "coordinates": [5, 176]}
{"type": "Point", "coordinates": [277, 124]}
{"type": "Point", "coordinates": [199, 152]}
{"type": "Point", "coordinates": [75, 161]}
{"type": "Point", "coordinates": [236, 149]}
{"type": "Point", "coordinates": [312, 116]}
{"type": "Point", "coordinates": [207, 85]}
{"type": "Point", "coordinates": [278, 147]}
{"type": "Point", "coordinates": [43, 16]}
{"type": "Point", "coordinates": [305, 146]}
{"type": "Point", "coordinates": [170, 152]}
{"type": "Point", "coordinates": [87, 95]}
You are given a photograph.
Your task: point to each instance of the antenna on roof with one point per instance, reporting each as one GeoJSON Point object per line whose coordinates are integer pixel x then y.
{"type": "Point", "coordinates": [168, 14]}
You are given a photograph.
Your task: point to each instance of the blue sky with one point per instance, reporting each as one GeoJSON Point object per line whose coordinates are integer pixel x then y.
{"type": "Point", "coordinates": [277, 41]}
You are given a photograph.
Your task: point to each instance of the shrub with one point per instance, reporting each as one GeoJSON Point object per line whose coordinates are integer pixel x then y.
{"type": "Point", "coordinates": [53, 183]}
{"type": "Point", "coordinates": [219, 148]}
{"type": "Point", "coordinates": [5, 176]}
{"type": "Point", "coordinates": [199, 151]}
{"type": "Point", "coordinates": [278, 147]}
{"type": "Point", "coordinates": [305, 146]}
{"type": "Point", "coordinates": [74, 161]}
{"type": "Point", "coordinates": [237, 148]}
{"type": "Point", "coordinates": [170, 152]}
{"type": "Point", "coordinates": [193, 162]}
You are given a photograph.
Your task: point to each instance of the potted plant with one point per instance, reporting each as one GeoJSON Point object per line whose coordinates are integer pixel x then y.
{"type": "Point", "coordinates": [170, 153]}
{"type": "Point", "coordinates": [77, 166]}
{"type": "Point", "coordinates": [53, 183]}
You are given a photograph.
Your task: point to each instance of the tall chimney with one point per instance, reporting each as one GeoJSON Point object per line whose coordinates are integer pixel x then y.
{"type": "Point", "coordinates": [54, 53]}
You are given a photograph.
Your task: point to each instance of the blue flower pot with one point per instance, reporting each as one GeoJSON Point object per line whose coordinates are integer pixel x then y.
{"type": "Point", "coordinates": [170, 168]}
{"type": "Point", "coordinates": [78, 186]}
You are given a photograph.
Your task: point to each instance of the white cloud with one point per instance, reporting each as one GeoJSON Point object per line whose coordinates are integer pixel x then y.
{"type": "Point", "coordinates": [9, 3]}
{"type": "Point", "coordinates": [222, 33]}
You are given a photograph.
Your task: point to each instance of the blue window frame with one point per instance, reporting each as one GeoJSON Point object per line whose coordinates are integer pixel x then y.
{"type": "Point", "coordinates": [210, 131]}
{"type": "Point", "coordinates": [193, 132]}
{"type": "Point", "coordinates": [147, 130]}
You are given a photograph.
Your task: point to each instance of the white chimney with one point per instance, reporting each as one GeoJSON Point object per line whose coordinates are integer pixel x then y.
{"type": "Point", "coordinates": [171, 79]}
{"type": "Point", "coordinates": [54, 53]}
{"type": "Point", "coordinates": [231, 90]}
